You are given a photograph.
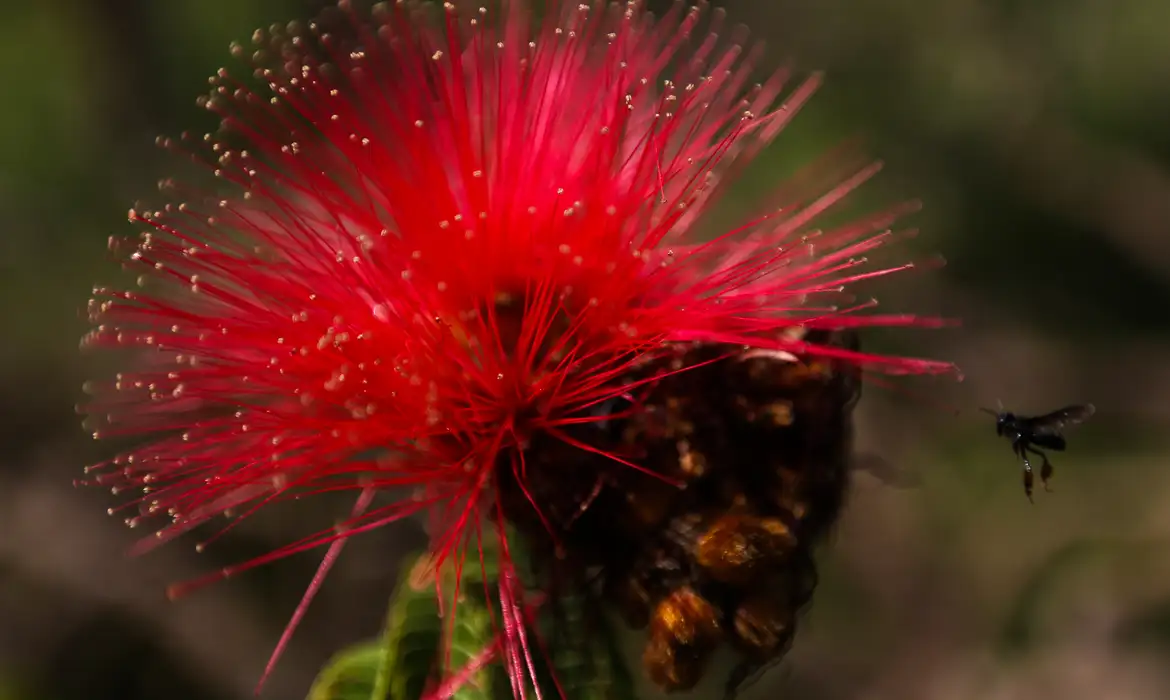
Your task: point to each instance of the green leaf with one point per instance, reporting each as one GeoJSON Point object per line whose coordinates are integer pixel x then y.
{"type": "Point", "coordinates": [473, 629]}
{"type": "Point", "coordinates": [349, 675]}
{"type": "Point", "coordinates": [398, 666]}
{"type": "Point", "coordinates": [577, 641]}
{"type": "Point", "coordinates": [412, 637]}
{"type": "Point", "coordinates": [585, 652]}
{"type": "Point", "coordinates": [573, 637]}
{"type": "Point", "coordinates": [470, 634]}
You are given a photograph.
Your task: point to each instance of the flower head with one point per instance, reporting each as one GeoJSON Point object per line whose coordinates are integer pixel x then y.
{"type": "Point", "coordinates": [442, 234]}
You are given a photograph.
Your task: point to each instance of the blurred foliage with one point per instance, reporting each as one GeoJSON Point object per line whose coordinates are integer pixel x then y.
{"type": "Point", "coordinates": [1036, 132]}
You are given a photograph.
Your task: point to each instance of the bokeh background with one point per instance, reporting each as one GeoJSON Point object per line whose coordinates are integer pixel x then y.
{"type": "Point", "coordinates": [1036, 131]}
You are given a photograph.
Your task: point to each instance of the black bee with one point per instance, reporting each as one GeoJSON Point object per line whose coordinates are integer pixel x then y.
{"type": "Point", "coordinates": [1029, 432]}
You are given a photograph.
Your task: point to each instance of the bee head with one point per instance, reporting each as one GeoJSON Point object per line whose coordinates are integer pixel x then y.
{"type": "Point", "coordinates": [1002, 418]}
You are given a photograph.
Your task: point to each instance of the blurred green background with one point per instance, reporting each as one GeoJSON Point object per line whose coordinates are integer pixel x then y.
{"type": "Point", "coordinates": [1036, 131]}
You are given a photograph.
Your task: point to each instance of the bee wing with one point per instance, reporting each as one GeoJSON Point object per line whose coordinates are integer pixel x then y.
{"type": "Point", "coordinates": [1054, 423]}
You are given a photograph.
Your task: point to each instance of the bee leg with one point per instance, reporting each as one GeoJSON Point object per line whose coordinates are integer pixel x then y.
{"type": "Point", "coordinates": [1020, 450]}
{"type": "Point", "coordinates": [1045, 468]}
{"type": "Point", "coordinates": [1028, 480]}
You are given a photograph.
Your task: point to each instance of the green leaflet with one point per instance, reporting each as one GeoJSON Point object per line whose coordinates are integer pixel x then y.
{"type": "Point", "coordinates": [349, 675]}
{"type": "Point", "coordinates": [585, 653]}
{"type": "Point", "coordinates": [417, 643]}
{"type": "Point", "coordinates": [398, 666]}
{"type": "Point", "coordinates": [470, 634]}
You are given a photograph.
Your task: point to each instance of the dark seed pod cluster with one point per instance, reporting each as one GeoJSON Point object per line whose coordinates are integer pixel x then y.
{"type": "Point", "coordinates": [746, 458]}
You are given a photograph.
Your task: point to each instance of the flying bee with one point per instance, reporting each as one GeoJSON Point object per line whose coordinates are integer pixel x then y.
{"type": "Point", "coordinates": [1029, 432]}
{"type": "Point", "coordinates": [684, 631]}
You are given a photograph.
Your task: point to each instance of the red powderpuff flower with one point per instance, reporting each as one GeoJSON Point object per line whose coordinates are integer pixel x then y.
{"type": "Point", "coordinates": [440, 236]}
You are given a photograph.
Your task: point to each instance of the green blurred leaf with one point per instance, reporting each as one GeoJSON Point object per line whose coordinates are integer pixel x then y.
{"type": "Point", "coordinates": [1113, 569]}
{"type": "Point", "coordinates": [49, 125]}
{"type": "Point", "coordinates": [1021, 629]}
{"type": "Point", "coordinates": [1148, 629]}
